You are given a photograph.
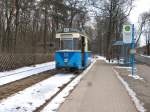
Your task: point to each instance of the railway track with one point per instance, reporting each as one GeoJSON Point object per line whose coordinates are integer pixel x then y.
{"type": "Point", "coordinates": [12, 88]}
{"type": "Point", "coordinates": [29, 90]}
{"type": "Point", "coordinates": [39, 109]}
{"type": "Point", "coordinates": [19, 85]}
{"type": "Point", "coordinates": [24, 71]}
{"type": "Point", "coordinates": [11, 76]}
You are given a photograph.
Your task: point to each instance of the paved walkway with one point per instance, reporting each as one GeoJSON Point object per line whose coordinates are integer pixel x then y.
{"type": "Point", "coordinates": [99, 91]}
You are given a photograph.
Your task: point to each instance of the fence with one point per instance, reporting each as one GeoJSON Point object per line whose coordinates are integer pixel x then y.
{"type": "Point", "coordinates": [13, 61]}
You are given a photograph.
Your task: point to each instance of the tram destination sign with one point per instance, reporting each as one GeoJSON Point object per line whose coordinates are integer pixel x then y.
{"type": "Point", "coordinates": [67, 30]}
{"type": "Point", "coordinates": [127, 34]}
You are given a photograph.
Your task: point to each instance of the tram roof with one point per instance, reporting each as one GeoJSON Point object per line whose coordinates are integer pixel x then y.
{"type": "Point", "coordinates": [70, 33]}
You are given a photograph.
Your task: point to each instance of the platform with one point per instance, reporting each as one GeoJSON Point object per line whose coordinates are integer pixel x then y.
{"type": "Point", "coordinates": [99, 91]}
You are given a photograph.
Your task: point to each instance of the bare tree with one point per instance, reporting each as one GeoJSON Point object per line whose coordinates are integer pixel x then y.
{"type": "Point", "coordinates": [145, 29]}
{"type": "Point", "coordinates": [113, 13]}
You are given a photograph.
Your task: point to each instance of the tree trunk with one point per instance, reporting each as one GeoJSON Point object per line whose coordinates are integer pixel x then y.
{"type": "Point", "coordinates": [45, 28]}
{"type": "Point", "coordinates": [16, 24]}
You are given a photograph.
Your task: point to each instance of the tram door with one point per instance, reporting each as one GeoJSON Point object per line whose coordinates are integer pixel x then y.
{"type": "Point", "coordinates": [83, 50]}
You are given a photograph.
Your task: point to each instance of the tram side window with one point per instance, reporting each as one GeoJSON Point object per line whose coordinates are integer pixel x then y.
{"type": "Point", "coordinates": [77, 44]}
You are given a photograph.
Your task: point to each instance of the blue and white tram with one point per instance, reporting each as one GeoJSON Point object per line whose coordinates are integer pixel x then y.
{"type": "Point", "coordinates": [73, 51]}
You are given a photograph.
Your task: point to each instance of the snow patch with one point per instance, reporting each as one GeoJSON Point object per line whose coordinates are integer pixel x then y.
{"type": "Point", "coordinates": [33, 97]}
{"type": "Point", "coordinates": [145, 56]}
{"type": "Point", "coordinates": [23, 69]}
{"type": "Point", "coordinates": [130, 69]}
{"type": "Point", "coordinates": [137, 77]}
{"type": "Point", "coordinates": [10, 76]}
{"type": "Point", "coordinates": [100, 57]}
{"type": "Point", "coordinates": [60, 98]}
{"type": "Point", "coordinates": [132, 94]}
{"type": "Point", "coordinates": [114, 61]}
{"type": "Point", "coordinates": [123, 67]}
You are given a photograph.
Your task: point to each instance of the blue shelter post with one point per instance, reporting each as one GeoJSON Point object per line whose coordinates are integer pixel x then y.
{"type": "Point", "coordinates": [133, 52]}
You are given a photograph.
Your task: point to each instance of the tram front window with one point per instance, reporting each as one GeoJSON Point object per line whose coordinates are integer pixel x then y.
{"type": "Point", "coordinates": [70, 44]}
{"type": "Point", "coordinates": [66, 44]}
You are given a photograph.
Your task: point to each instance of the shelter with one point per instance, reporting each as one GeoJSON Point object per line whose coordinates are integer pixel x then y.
{"type": "Point", "coordinates": [121, 52]}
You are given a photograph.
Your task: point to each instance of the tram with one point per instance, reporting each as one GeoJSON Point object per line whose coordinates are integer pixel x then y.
{"type": "Point", "coordinates": [74, 50]}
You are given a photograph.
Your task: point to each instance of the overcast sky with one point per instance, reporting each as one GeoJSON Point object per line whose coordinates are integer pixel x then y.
{"type": "Point", "coordinates": [140, 6]}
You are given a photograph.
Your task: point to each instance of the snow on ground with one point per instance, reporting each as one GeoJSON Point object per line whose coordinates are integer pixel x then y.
{"type": "Point", "coordinates": [145, 56]}
{"type": "Point", "coordinates": [127, 68]}
{"type": "Point", "coordinates": [123, 67]}
{"type": "Point", "coordinates": [112, 61]}
{"type": "Point", "coordinates": [10, 76]}
{"type": "Point", "coordinates": [115, 61]}
{"type": "Point", "coordinates": [138, 104]}
{"type": "Point", "coordinates": [100, 57]}
{"type": "Point", "coordinates": [60, 98]}
{"type": "Point", "coordinates": [135, 76]}
{"type": "Point", "coordinates": [130, 69]}
{"type": "Point", "coordinates": [31, 98]}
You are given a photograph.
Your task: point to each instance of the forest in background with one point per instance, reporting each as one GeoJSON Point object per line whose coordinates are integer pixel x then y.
{"type": "Point", "coordinates": [28, 27]}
